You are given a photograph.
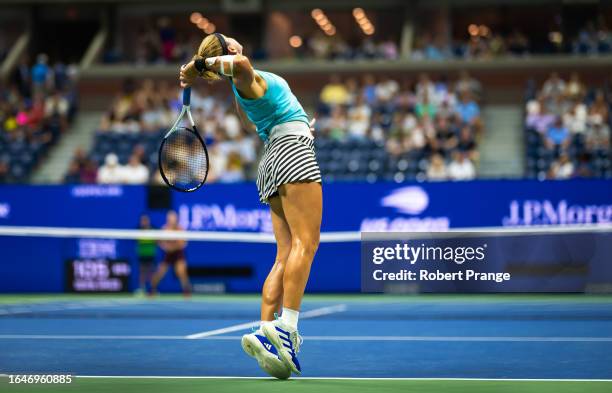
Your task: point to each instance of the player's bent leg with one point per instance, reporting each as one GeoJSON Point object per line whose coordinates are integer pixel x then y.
{"type": "Point", "coordinates": [157, 277]}
{"type": "Point", "coordinates": [272, 292]}
{"type": "Point", "coordinates": [180, 269]}
{"type": "Point", "coordinates": [302, 206]}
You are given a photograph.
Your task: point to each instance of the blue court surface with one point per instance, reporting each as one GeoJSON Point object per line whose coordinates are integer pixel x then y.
{"type": "Point", "coordinates": [481, 337]}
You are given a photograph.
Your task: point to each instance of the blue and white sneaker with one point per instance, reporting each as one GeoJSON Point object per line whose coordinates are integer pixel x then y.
{"type": "Point", "coordinates": [259, 347]}
{"type": "Point", "coordinates": [287, 343]}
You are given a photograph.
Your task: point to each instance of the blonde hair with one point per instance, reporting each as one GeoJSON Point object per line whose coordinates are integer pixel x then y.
{"type": "Point", "coordinates": [210, 47]}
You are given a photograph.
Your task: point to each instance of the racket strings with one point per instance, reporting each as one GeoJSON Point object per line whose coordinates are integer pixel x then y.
{"type": "Point", "coordinates": [184, 161]}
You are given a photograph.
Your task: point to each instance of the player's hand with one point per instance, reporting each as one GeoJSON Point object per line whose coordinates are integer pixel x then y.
{"type": "Point", "coordinates": [311, 124]}
{"type": "Point", "coordinates": [188, 74]}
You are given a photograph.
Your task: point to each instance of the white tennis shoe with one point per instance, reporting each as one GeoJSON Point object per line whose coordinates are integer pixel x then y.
{"type": "Point", "coordinates": [259, 347]}
{"type": "Point", "coordinates": [287, 343]}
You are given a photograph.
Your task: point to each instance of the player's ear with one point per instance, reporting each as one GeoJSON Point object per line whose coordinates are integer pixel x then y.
{"type": "Point", "coordinates": [233, 46]}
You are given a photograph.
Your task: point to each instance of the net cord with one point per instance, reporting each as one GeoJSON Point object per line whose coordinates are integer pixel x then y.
{"type": "Point", "coordinates": [251, 237]}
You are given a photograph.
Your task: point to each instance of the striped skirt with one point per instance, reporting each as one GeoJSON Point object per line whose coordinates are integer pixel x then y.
{"type": "Point", "coordinates": [286, 159]}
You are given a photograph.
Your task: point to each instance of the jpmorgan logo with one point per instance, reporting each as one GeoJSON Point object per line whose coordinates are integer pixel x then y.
{"type": "Point", "coordinates": [214, 217]}
{"type": "Point", "coordinates": [546, 212]}
{"type": "Point", "coordinates": [409, 200]}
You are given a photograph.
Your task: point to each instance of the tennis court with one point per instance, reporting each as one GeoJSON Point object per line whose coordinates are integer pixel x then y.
{"type": "Point", "coordinates": [352, 343]}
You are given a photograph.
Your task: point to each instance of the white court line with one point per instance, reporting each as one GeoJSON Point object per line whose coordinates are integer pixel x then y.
{"type": "Point", "coordinates": [314, 338]}
{"type": "Point", "coordinates": [460, 338]}
{"type": "Point", "coordinates": [45, 307]}
{"type": "Point", "coordinates": [382, 379]}
{"type": "Point", "coordinates": [317, 312]}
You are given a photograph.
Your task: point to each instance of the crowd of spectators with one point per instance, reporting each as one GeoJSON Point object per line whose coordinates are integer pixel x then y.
{"type": "Point", "coordinates": [321, 46]}
{"type": "Point", "coordinates": [484, 43]}
{"type": "Point", "coordinates": [156, 42]}
{"type": "Point", "coordinates": [594, 38]}
{"type": "Point", "coordinates": [568, 129]}
{"type": "Point", "coordinates": [435, 121]}
{"type": "Point", "coordinates": [36, 106]}
{"type": "Point", "coordinates": [130, 133]}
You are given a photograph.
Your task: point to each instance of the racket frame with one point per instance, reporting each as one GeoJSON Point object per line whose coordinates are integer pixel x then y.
{"type": "Point", "coordinates": [186, 109]}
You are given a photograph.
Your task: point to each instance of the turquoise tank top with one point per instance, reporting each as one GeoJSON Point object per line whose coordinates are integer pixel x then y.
{"type": "Point", "coordinates": [278, 105]}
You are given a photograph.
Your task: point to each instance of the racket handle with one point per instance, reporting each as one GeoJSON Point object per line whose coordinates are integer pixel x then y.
{"type": "Point", "coordinates": [187, 96]}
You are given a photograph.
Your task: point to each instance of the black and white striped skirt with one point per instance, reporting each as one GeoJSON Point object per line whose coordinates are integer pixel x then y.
{"type": "Point", "coordinates": [286, 159]}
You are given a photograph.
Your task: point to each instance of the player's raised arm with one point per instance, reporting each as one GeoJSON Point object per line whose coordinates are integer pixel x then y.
{"type": "Point", "coordinates": [220, 56]}
{"type": "Point", "coordinates": [244, 119]}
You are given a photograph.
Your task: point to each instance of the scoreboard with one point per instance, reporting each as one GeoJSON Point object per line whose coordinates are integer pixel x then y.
{"type": "Point", "coordinates": [97, 275]}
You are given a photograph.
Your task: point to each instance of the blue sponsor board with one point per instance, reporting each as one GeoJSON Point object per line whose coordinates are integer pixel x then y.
{"type": "Point", "coordinates": [29, 264]}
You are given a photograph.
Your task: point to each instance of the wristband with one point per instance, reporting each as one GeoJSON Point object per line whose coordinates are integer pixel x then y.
{"type": "Point", "coordinates": [200, 65]}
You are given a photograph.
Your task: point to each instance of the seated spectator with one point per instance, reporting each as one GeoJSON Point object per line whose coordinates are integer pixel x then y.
{"type": "Point", "coordinates": [436, 169]}
{"type": "Point", "coordinates": [467, 84]}
{"type": "Point", "coordinates": [89, 172]}
{"type": "Point", "coordinates": [388, 49]}
{"type": "Point", "coordinates": [598, 112]}
{"type": "Point", "coordinates": [586, 41]}
{"type": "Point", "coordinates": [598, 138]}
{"type": "Point", "coordinates": [584, 168]}
{"type": "Point", "coordinates": [4, 171]}
{"type": "Point", "coordinates": [557, 136]}
{"type": "Point", "coordinates": [386, 90]}
{"type": "Point", "coordinates": [561, 168]}
{"type": "Point", "coordinates": [334, 93]}
{"type": "Point", "coordinates": [575, 119]}
{"type": "Point", "coordinates": [553, 87]}
{"type": "Point", "coordinates": [425, 107]}
{"type": "Point", "coordinates": [575, 89]}
{"type": "Point", "coordinates": [538, 117]}
{"type": "Point", "coordinates": [358, 119]}
{"type": "Point", "coordinates": [335, 127]}
{"type": "Point", "coordinates": [369, 89]}
{"type": "Point", "coordinates": [424, 88]}
{"type": "Point", "coordinates": [135, 172]}
{"type": "Point", "coordinates": [518, 43]}
{"type": "Point", "coordinates": [461, 168]}
{"type": "Point", "coordinates": [57, 107]}
{"type": "Point", "coordinates": [467, 144]}
{"type": "Point", "coordinates": [111, 172]}
{"type": "Point", "coordinates": [73, 176]}
{"type": "Point", "coordinates": [234, 171]}
{"type": "Point", "coordinates": [469, 112]}
{"type": "Point", "coordinates": [231, 124]}
{"type": "Point", "coordinates": [41, 74]}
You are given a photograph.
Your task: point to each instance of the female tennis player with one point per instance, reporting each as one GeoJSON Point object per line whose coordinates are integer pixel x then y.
{"type": "Point", "coordinates": [288, 179]}
{"type": "Point", "coordinates": [174, 255]}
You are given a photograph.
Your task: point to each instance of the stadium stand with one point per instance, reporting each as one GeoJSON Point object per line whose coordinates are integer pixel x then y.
{"type": "Point", "coordinates": [567, 128]}
{"type": "Point", "coordinates": [389, 113]}
{"type": "Point", "coordinates": [36, 106]}
{"type": "Point", "coordinates": [369, 130]}
{"type": "Point", "coordinates": [130, 133]}
{"type": "Point", "coordinates": [384, 130]}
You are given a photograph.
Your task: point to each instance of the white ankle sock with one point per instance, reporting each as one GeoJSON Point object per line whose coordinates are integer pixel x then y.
{"type": "Point", "coordinates": [290, 318]}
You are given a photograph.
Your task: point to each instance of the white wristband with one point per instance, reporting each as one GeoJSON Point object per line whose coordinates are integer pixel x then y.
{"type": "Point", "coordinates": [210, 61]}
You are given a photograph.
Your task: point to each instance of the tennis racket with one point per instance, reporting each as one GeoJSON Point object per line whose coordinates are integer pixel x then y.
{"type": "Point", "coordinates": [183, 157]}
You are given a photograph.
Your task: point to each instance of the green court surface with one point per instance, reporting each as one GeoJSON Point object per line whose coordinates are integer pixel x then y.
{"type": "Point", "coordinates": [222, 385]}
